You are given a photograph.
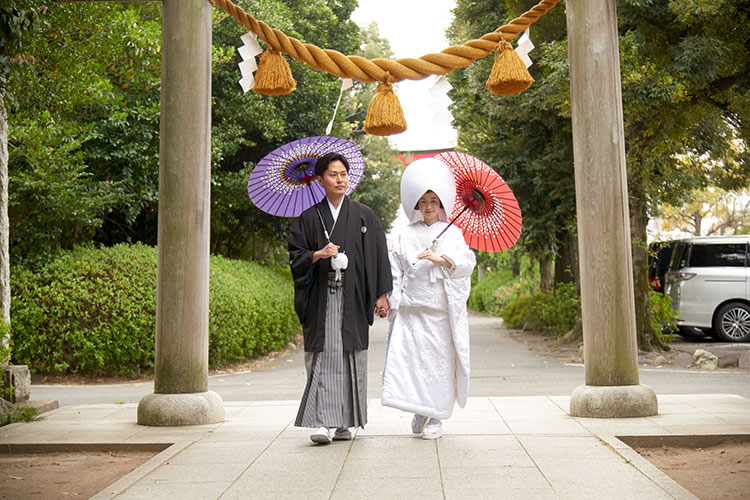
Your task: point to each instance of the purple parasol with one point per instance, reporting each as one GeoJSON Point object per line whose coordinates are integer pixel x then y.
{"type": "Point", "coordinates": [283, 182]}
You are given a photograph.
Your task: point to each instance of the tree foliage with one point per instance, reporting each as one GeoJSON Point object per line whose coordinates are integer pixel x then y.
{"type": "Point", "coordinates": [708, 212]}
{"type": "Point", "coordinates": [83, 140]}
{"type": "Point", "coordinates": [17, 21]}
{"type": "Point", "coordinates": [84, 131]}
{"type": "Point", "coordinates": [527, 137]}
{"type": "Point", "coordinates": [685, 70]}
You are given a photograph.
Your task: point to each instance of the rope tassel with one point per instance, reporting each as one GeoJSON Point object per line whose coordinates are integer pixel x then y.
{"type": "Point", "coordinates": [385, 116]}
{"type": "Point", "coordinates": [509, 74]}
{"type": "Point", "coordinates": [274, 77]}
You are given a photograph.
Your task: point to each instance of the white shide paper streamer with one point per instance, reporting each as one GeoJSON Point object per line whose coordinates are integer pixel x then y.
{"type": "Point", "coordinates": [248, 51]}
{"type": "Point", "coordinates": [524, 47]}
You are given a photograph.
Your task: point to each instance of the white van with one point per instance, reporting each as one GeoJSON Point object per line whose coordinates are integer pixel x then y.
{"type": "Point", "coordinates": [708, 283]}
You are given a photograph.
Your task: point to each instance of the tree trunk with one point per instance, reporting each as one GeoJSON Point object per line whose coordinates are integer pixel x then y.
{"type": "Point", "coordinates": [566, 260]}
{"type": "Point", "coordinates": [515, 266]}
{"type": "Point", "coordinates": [647, 337]}
{"type": "Point", "coordinates": [698, 218]}
{"type": "Point", "coordinates": [532, 281]}
{"type": "Point", "coordinates": [546, 276]}
{"type": "Point", "coordinates": [4, 226]}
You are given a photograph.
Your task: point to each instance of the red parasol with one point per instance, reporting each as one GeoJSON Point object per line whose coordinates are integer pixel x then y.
{"type": "Point", "coordinates": [485, 208]}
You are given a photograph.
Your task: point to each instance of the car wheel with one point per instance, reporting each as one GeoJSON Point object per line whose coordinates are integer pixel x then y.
{"type": "Point", "coordinates": [732, 323]}
{"type": "Point", "coordinates": [691, 333]}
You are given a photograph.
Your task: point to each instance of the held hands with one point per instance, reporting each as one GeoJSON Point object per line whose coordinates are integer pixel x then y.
{"type": "Point", "coordinates": [328, 251]}
{"type": "Point", "coordinates": [382, 306]}
{"type": "Point", "coordinates": [433, 257]}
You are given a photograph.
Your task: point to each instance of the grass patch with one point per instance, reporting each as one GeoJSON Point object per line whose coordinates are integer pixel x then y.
{"type": "Point", "coordinates": [19, 414]}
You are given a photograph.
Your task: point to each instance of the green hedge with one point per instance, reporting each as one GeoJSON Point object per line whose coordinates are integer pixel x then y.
{"type": "Point", "coordinates": [92, 311]}
{"type": "Point", "coordinates": [487, 295]}
{"type": "Point", "coordinates": [546, 311]}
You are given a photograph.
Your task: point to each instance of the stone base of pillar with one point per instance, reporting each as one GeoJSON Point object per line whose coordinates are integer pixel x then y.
{"type": "Point", "coordinates": [619, 401]}
{"type": "Point", "coordinates": [181, 409]}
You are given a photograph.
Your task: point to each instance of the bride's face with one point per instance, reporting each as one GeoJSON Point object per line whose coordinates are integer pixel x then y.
{"type": "Point", "coordinates": [429, 205]}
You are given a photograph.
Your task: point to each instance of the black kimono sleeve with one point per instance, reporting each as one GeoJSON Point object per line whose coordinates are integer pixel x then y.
{"type": "Point", "coordinates": [385, 279]}
{"type": "Point", "coordinates": [301, 249]}
{"type": "Point", "coordinates": [378, 274]}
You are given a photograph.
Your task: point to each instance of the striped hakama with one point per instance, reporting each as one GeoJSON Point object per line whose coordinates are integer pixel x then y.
{"type": "Point", "coordinates": [336, 390]}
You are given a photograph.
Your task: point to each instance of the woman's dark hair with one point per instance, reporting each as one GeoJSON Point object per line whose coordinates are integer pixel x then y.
{"type": "Point", "coordinates": [322, 164]}
{"type": "Point", "coordinates": [416, 207]}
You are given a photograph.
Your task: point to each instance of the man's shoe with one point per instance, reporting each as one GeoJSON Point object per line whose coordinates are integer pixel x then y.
{"type": "Point", "coordinates": [342, 434]}
{"type": "Point", "coordinates": [418, 423]}
{"type": "Point", "coordinates": [322, 435]}
{"type": "Point", "coordinates": [433, 430]}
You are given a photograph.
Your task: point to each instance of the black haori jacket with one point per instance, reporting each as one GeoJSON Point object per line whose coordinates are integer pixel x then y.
{"type": "Point", "coordinates": [358, 233]}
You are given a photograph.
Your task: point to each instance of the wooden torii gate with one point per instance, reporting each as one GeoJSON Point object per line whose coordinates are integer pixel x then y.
{"type": "Point", "coordinates": [610, 346]}
{"type": "Point", "coordinates": [181, 395]}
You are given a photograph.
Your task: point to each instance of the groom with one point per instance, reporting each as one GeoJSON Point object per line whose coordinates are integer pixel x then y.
{"type": "Point", "coordinates": [339, 283]}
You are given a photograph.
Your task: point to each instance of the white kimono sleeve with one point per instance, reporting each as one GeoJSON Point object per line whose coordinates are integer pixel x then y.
{"type": "Point", "coordinates": [399, 265]}
{"type": "Point", "coordinates": [455, 250]}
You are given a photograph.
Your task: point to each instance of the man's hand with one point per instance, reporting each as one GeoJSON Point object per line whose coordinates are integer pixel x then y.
{"type": "Point", "coordinates": [382, 306]}
{"type": "Point", "coordinates": [328, 251]}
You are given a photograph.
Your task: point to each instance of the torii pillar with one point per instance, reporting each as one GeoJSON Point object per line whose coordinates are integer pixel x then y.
{"type": "Point", "coordinates": [181, 395]}
{"type": "Point", "coordinates": [612, 387]}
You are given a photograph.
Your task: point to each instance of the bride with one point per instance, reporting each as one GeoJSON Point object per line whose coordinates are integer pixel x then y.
{"type": "Point", "coordinates": [427, 359]}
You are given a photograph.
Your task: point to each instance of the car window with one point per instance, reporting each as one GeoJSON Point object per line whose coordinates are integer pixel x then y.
{"type": "Point", "coordinates": [679, 256]}
{"type": "Point", "coordinates": [725, 255]}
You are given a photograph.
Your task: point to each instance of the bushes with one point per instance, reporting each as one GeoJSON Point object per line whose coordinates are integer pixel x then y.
{"type": "Point", "coordinates": [251, 311]}
{"type": "Point", "coordinates": [500, 294]}
{"type": "Point", "coordinates": [483, 296]}
{"type": "Point", "coordinates": [556, 312]}
{"type": "Point", "coordinates": [662, 316]}
{"type": "Point", "coordinates": [559, 312]}
{"type": "Point", "coordinates": [496, 291]}
{"type": "Point", "coordinates": [92, 311]}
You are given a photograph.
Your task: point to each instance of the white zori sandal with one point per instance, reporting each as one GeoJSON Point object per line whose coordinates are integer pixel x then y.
{"type": "Point", "coordinates": [322, 435]}
{"type": "Point", "coordinates": [433, 430]}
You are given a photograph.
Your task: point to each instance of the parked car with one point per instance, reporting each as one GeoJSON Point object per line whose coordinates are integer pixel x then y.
{"type": "Point", "coordinates": [659, 255]}
{"type": "Point", "coordinates": [708, 283]}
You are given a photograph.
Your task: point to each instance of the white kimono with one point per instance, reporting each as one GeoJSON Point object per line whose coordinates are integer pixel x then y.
{"type": "Point", "coordinates": [427, 358]}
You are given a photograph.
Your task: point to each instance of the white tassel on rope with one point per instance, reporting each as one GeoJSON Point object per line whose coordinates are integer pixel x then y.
{"type": "Point", "coordinates": [339, 263]}
{"type": "Point", "coordinates": [524, 47]}
{"type": "Point", "coordinates": [346, 83]}
{"type": "Point", "coordinates": [248, 51]}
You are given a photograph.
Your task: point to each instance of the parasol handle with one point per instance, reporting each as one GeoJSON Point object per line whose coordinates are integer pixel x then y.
{"type": "Point", "coordinates": [466, 207]}
{"type": "Point", "coordinates": [320, 216]}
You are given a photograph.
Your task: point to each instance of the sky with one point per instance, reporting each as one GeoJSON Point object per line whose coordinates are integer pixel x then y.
{"type": "Point", "coordinates": [415, 28]}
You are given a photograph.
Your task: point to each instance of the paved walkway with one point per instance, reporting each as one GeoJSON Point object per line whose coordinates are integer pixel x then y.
{"type": "Point", "coordinates": [496, 447]}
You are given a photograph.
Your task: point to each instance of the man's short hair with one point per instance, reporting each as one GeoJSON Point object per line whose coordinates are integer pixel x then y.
{"type": "Point", "coordinates": [322, 164]}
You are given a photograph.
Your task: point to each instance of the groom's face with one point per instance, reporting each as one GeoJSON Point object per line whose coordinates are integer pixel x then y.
{"type": "Point", "coordinates": [335, 179]}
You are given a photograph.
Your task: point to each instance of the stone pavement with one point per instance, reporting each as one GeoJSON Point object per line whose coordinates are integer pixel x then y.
{"type": "Point", "coordinates": [496, 447]}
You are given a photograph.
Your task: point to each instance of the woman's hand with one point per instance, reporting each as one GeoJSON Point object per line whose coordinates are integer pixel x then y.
{"type": "Point", "coordinates": [328, 251]}
{"type": "Point", "coordinates": [433, 257]}
{"type": "Point", "coordinates": [382, 306]}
